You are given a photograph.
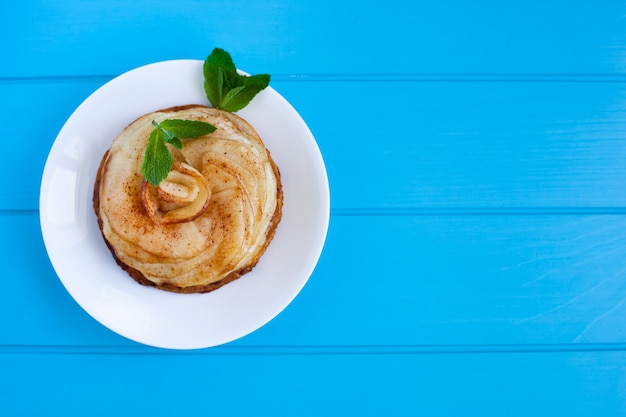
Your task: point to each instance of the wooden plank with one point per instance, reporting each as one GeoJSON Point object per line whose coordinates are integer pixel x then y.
{"type": "Point", "coordinates": [469, 144]}
{"type": "Point", "coordinates": [474, 263]}
{"type": "Point", "coordinates": [420, 280]}
{"type": "Point", "coordinates": [519, 384]}
{"type": "Point", "coordinates": [44, 38]}
{"type": "Point", "coordinates": [425, 145]}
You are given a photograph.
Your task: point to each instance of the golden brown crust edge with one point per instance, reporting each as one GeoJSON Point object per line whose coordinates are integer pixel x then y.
{"type": "Point", "coordinates": [141, 279]}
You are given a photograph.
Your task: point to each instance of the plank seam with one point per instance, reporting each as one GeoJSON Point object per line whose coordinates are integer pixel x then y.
{"type": "Point", "coordinates": [478, 211]}
{"type": "Point", "coordinates": [262, 350]}
{"type": "Point", "coordinates": [366, 77]}
{"type": "Point", "coordinates": [435, 211]}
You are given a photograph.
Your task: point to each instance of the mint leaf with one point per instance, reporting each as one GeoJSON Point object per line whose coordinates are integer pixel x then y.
{"type": "Point", "coordinates": [186, 129]}
{"type": "Point", "coordinates": [157, 160]}
{"type": "Point", "coordinates": [239, 97]}
{"type": "Point", "coordinates": [175, 142]}
{"type": "Point", "coordinates": [259, 81]}
{"type": "Point", "coordinates": [215, 66]}
{"type": "Point", "coordinates": [168, 136]}
{"type": "Point", "coordinates": [232, 98]}
{"type": "Point", "coordinates": [225, 88]}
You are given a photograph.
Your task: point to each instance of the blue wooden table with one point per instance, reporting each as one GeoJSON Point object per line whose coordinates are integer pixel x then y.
{"type": "Point", "coordinates": [475, 262]}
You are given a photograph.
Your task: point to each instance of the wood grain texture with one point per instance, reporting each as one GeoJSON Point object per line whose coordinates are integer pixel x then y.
{"type": "Point", "coordinates": [61, 37]}
{"type": "Point", "coordinates": [519, 384]}
{"type": "Point", "coordinates": [405, 144]}
{"type": "Point", "coordinates": [475, 259]}
{"type": "Point", "coordinates": [432, 280]}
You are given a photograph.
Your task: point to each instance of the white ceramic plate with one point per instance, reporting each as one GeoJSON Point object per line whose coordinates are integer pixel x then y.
{"type": "Point", "coordinates": [153, 317]}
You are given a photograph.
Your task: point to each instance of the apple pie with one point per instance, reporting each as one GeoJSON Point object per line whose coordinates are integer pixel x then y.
{"type": "Point", "coordinates": [209, 222]}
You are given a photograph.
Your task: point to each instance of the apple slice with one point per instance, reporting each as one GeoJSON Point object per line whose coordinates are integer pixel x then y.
{"type": "Point", "coordinates": [181, 197]}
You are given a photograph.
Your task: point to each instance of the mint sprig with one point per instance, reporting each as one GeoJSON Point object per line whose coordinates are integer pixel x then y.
{"type": "Point", "coordinates": [157, 160]}
{"type": "Point", "coordinates": [225, 88]}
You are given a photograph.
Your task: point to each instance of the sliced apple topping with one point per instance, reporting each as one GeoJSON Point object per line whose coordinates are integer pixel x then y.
{"type": "Point", "coordinates": [182, 197]}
